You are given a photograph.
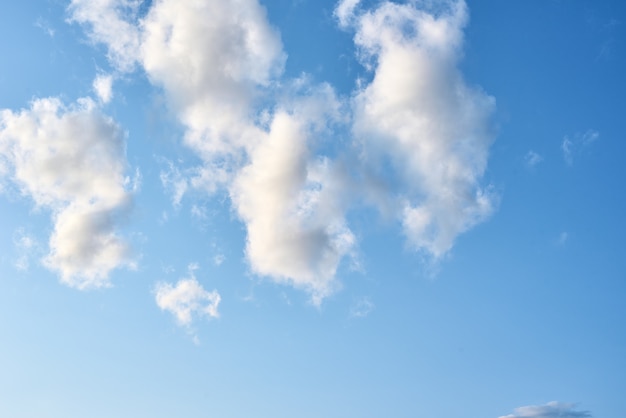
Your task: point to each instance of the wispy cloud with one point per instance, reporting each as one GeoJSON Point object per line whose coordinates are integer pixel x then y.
{"type": "Point", "coordinates": [566, 147]}
{"type": "Point", "coordinates": [25, 245]}
{"type": "Point", "coordinates": [549, 410]}
{"type": "Point", "coordinates": [43, 24]}
{"type": "Point", "coordinates": [174, 182]}
{"type": "Point", "coordinates": [113, 23]}
{"type": "Point", "coordinates": [572, 146]}
{"type": "Point", "coordinates": [361, 308]}
{"type": "Point", "coordinates": [71, 160]}
{"type": "Point", "coordinates": [532, 159]}
{"type": "Point", "coordinates": [219, 259]}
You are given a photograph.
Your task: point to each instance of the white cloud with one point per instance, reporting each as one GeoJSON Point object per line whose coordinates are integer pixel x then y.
{"type": "Point", "coordinates": [420, 117]}
{"type": "Point", "coordinates": [344, 12]}
{"type": "Point", "coordinates": [103, 86]}
{"type": "Point", "coordinates": [212, 59]}
{"type": "Point", "coordinates": [72, 161]}
{"type": "Point", "coordinates": [112, 23]}
{"type": "Point", "coordinates": [186, 299]}
{"type": "Point", "coordinates": [532, 159]}
{"type": "Point", "coordinates": [549, 410]}
{"type": "Point", "coordinates": [292, 203]}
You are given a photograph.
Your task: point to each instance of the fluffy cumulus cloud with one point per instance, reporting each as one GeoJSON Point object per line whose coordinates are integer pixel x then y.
{"type": "Point", "coordinates": [420, 132]}
{"type": "Point", "coordinates": [212, 58]}
{"type": "Point", "coordinates": [186, 299]}
{"type": "Point", "coordinates": [420, 118]}
{"type": "Point", "coordinates": [550, 410]}
{"type": "Point", "coordinates": [72, 161]}
{"type": "Point", "coordinates": [290, 200]}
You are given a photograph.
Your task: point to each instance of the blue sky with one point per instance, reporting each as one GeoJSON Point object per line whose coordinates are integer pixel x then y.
{"type": "Point", "coordinates": [299, 208]}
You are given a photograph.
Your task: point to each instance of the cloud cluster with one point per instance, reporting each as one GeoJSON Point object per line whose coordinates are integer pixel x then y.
{"type": "Point", "coordinates": [419, 134]}
{"type": "Point", "coordinates": [186, 299]}
{"type": "Point", "coordinates": [71, 160]}
{"type": "Point", "coordinates": [549, 410]}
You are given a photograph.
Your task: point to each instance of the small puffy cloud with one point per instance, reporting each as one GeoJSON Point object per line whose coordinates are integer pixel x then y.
{"type": "Point", "coordinates": [71, 160]}
{"type": "Point", "coordinates": [571, 146]}
{"type": "Point", "coordinates": [186, 299]}
{"type": "Point", "coordinates": [563, 237]}
{"type": "Point", "coordinates": [103, 86]}
{"type": "Point", "coordinates": [420, 118]}
{"type": "Point", "coordinates": [549, 410]}
{"type": "Point", "coordinates": [532, 159]}
{"type": "Point", "coordinates": [219, 259]}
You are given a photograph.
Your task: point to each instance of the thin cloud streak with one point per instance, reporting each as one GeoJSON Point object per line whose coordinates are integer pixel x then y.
{"type": "Point", "coordinates": [549, 410]}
